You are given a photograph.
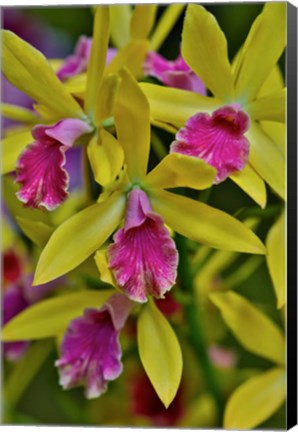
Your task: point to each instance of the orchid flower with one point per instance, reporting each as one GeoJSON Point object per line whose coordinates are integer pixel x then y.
{"type": "Point", "coordinates": [227, 130]}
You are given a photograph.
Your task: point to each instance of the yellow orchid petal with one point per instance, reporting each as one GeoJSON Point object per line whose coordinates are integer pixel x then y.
{"type": "Point", "coordinates": [28, 70]}
{"type": "Point", "coordinates": [175, 106]}
{"type": "Point", "coordinates": [205, 224]}
{"type": "Point", "coordinates": [142, 20]}
{"type": "Point", "coordinates": [269, 107]}
{"type": "Point", "coordinates": [12, 147]}
{"type": "Point", "coordinates": [97, 62]}
{"type": "Point", "coordinates": [17, 113]}
{"type": "Point", "coordinates": [255, 400]}
{"type": "Point", "coordinates": [204, 48]}
{"type": "Point", "coordinates": [106, 157]}
{"type": "Point", "coordinates": [267, 159]}
{"type": "Point", "coordinates": [261, 51]}
{"type": "Point", "coordinates": [120, 16]}
{"type": "Point", "coordinates": [76, 85]}
{"type": "Point", "coordinates": [105, 99]}
{"type": "Point", "coordinates": [165, 25]}
{"type": "Point", "coordinates": [78, 237]}
{"type": "Point", "coordinates": [75, 201]}
{"type": "Point", "coordinates": [132, 118]}
{"type": "Point", "coordinates": [276, 259]}
{"type": "Point", "coordinates": [37, 231]}
{"type": "Point", "coordinates": [56, 64]}
{"type": "Point", "coordinates": [252, 184]}
{"type": "Point", "coordinates": [254, 330]}
{"type": "Point", "coordinates": [131, 56]}
{"type": "Point", "coordinates": [177, 170]}
{"type": "Point", "coordinates": [273, 82]}
{"type": "Point", "coordinates": [165, 126]}
{"type": "Point", "coordinates": [102, 265]}
{"type": "Point", "coordinates": [277, 132]}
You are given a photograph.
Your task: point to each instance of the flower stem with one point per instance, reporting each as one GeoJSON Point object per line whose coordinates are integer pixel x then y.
{"type": "Point", "coordinates": [196, 332]}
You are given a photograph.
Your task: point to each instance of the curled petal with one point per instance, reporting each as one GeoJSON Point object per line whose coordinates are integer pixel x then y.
{"type": "Point", "coordinates": [77, 62]}
{"type": "Point", "coordinates": [217, 139]}
{"type": "Point", "coordinates": [143, 257]}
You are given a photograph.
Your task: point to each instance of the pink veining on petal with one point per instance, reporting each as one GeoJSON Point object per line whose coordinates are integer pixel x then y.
{"type": "Point", "coordinates": [40, 171]}
{"type": "Point", "coordinates": [175, 73]}
{"type": "Point", "coordinates": [143, 257]}
{"type": "Point", "coordinates": [217, 139]}
{"type": "Point", "coordinates": [90, 350]}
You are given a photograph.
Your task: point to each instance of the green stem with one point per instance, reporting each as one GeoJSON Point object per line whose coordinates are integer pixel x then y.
{"type": "Point", "coordinates": [195, 326]}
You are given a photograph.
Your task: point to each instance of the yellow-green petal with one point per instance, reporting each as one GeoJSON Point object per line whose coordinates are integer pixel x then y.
{"type": "Point", "coordinates": [270, 107]}
{"type": "Point", "coordinates": [50, 317]}
{"type": "Point", "coordinates": [12, 147]}
{"type": "Point", "coordinates": [37, 231]}
{"type": "Point", "coordinates": [177, 170]}
{"type": "Point", "coordinates": [267, 159]}
{"type": "Point", "coordinates": [252, 184]}
{"type": "Point", "coordinates": [277, 132]}
{"type": "Point", "coordinates": [120, 24]}
{"type": "Point", "coordinates": [131, 56]}
{"type": "Point", "coordinates": [276, 259]}
{"type": "Point", "coordinates": [142, 20]}
{"type": "Point", "coordinates": [102, 265]}
{"type": "Point", "coordinates": [160, 352]}
{"type": "Point", "coordinates": [165, 25]}
{"type": "Point", "coordinates": [204, 48]}
{"type": "Point", "coordinates": [261, 51]}
{"type": "Point", "coordinates": [28, 70]}
{"type": "Point", "coordinates": [175, 106]}
{"type": "Point", "coordinates": [18, 113]}
{"type": "Point", "coordinates": [132, 119]}
{"type": "Point", "coordinates": [254, 330]}
{"type": "Point", "coordinates": [78, 237]}
{"type": "Point", "coordinates": [97, 62]}
{"type": "Point", "coordinates": [255, 400]}
{"type": "Point", "coordinates": [205, 224]}
{"type": "Point", "coordinates": [106, 157]}
{"type": "Point", "coordinates": [104, 103]}
{"type": "Point", "coordinates": [273, 82]}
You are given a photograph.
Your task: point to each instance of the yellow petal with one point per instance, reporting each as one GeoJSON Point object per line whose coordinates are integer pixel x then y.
{"type": "Point", "coordinates": [18, 113]}
{"type": "Point", "coordinates": [97, 62]}
{"type": "Point", "coordinates": [205, 224]}
{"type": "Point", "coordinates": [120, 24]}
{"type": "Point", "coordinates": [276, 259]}
{"type": "Point", "coordinates": [28, 70]}
{"type": "Point", "coordinates": [254, 330]}
{"type": "Point", "coordinates": [50, 317]}
{"type": "Point", "coordinates": [177, 170]}
{"type": "Point", "coordinates": [269, 107]}
{"type": "Point", "coordinates": [131, 56]}
{"type": "Point", "coordinates": [142, 20]}
{"type": "Point", "coordinates": [175, 106]}
{"type": "Point", "coordinates": [105, 273]}
{"type": "Point", "coordinates": [273, 82]}
{"type": "Point", "coordinates": [106, 157]}
{"type": "Point", "coordinates": [252, 184]}
{"type": "Point", "coordinates": [78, 237]}
{"type": "Point", "coordinates": [37, 231]}
{"type": "Point", "coordinates": [277, 132]}
{"type": "Point", "coordinates": [104, 103]}
{"type": "Point", "coordinates": [76, 85]}
{"type": "Point", "coordinates": [165, 25]}
{"type": "Point", "coordinates": [132, 118]}
{"type": "Point", "coordinates": [267, 159]}
{"type": "Point", "coordinates": [204, 48]}
{"type": "Point", "coordinates": [261, 51]}
{"type": "Point", "coordinates": [160, 352]}
{"type": "Point", "coordinates": [255, 400]}
{"type": "Point", "coordinates": [12, 147]}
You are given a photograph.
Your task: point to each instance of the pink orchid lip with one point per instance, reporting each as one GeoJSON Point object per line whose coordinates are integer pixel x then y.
{"type": "Point", "coordinates": [44, 181]}
{"type": "Point", "coordinates": [218, 139]}
{"type": "Point", "coordinates": [143, 257]}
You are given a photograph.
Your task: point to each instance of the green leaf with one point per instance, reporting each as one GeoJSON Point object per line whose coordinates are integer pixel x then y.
{"type": "Point", "coordinates": [255, 400]}
{"type": "Point", "coordinates": [254, 330]}
{"type": "Point", "coordinates": [50, 317]}
{"type": "Point", "coordinates": [78, 237]}
{"type": "Point", "coordinates": [160, 353]}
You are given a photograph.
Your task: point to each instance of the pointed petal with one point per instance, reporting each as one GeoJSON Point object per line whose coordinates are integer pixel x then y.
{"type": "Point", "coordinates": [18, 113]}
{"type": "Point", "coordinates": [205, 224]}
{"type": "Point", "coordinates": [28, 70]}
{"type": "Point", "coordinates": [131, 56]}
{"type": "Point", "coordinates": [267, 159]}
{"type": "Point", "coordinates": [277, 132]}
{"type": "Point", "coordinates": [104, 103]}
{"type": "Point", "coordinates": [120, 20]}
{"type": "Point", "coordinates": [177, 170]}
{"type": "Point", "coordinates": [204, 48]}
{"type": "Point", "coordinates": [78, 237]}
{"type": "Point", "coordinates": [102, 265]}
{"type": "Point", "coordinates": [37, 231]}
{"type": "Point", "coordinates": [175, 106]}
{"type": "Point", "coordinates": [261, 51]}
{"type": "Point", "coordinates": [255, 400]}
{"type": "Point", "coordinates": [142, 20]}
{"type": "Point", "coordinates": [97, 60]}
{"type": "Point", "coordinates": [254, 330]}
{"type": "Point", "coordinates": [252, 184]}
{"type": "Point", "coordinates": [132, 118]}
{"type": "Point", "coordinates": [12, 147]}
{"type": "Point", "coordinates": [165, 25]}
{"type": "Point", "coordinates": [269, 107]}
{"type": "Point", "coordinates": [273, 82]}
